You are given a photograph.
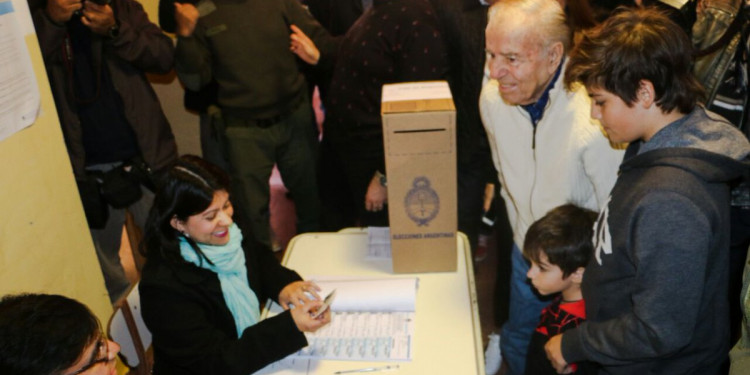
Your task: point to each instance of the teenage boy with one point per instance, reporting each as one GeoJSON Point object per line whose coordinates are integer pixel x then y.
{"type": "Point", "coordinates": [558, 246]}
{"type": "Point", "coordinates": [655, 288]}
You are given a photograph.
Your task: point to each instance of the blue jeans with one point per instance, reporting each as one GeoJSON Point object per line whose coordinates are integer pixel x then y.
{"type": "Point", "coordinates": [524, 311]}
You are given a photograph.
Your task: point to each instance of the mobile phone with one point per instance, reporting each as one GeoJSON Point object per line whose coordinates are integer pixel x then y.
{"type": "Point", "coordinates": [326, 304]}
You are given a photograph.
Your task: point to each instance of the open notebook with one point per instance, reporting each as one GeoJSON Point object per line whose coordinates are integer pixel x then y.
{"type": "Point", "coordinates": [371, 320]}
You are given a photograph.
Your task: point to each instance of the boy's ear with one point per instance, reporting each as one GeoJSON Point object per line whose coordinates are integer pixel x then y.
{"type": "Point", "coordinates": [577, 276]}
{"type": "Point", "coordinates": [646, 95]}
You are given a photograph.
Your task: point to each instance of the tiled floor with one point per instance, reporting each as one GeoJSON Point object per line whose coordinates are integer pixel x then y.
{"type": "Point", "coordinates": [484, 278]}
{"type": "Point", "coordinates": [126, 258]}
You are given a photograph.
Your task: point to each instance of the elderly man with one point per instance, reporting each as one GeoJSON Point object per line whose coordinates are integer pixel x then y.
{"type": "Point", "coordinates": [544, 145]}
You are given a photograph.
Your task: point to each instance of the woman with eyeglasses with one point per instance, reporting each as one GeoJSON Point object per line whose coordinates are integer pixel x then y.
{"type": "Point", "coordinates": [44, 334]}
{"type": "Point", "coordinates": [203, 283]}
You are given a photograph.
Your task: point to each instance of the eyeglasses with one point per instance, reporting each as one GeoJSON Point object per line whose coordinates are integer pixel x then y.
{"type": "Point", "coordinates": [100, 355]}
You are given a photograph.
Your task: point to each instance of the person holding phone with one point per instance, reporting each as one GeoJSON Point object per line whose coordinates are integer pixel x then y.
{"type": "Point", "coordinates": [97, 55]}
{"type": "Point", "coordinates": [203, 282]}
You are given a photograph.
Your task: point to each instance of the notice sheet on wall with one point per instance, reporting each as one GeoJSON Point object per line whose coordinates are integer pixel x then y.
{"type": "Point", "coordinates": [19, 93]}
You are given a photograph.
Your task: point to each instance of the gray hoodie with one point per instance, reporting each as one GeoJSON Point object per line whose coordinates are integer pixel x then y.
{"type": "Point", "coordinates": [656, 287]}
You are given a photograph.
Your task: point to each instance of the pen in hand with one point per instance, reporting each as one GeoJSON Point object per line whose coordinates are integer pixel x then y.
{"type": "Point", "coordinates": [368, 369]}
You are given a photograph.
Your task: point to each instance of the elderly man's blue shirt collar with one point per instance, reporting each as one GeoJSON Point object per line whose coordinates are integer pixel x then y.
{"type": "Point", "coordinates": [536, 110]}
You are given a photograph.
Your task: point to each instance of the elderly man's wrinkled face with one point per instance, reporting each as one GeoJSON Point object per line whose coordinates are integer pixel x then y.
{"type": "Point", "coordinates": [519, 62]}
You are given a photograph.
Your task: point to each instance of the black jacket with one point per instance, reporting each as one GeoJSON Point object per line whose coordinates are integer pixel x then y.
{"type": "Point", "coordinates": [194, 331]}
{"type": "Point", "coordinates": [140, 48]}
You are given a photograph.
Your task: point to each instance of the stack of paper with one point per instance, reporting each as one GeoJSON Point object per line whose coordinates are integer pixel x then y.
{"type": "Point", "coordinates": [378, 243]}
{"type": "Point", "coordinates": [371, 320]}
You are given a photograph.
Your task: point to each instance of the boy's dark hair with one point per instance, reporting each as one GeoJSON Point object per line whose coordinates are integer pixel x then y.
{"type": "Point", "coordinates": [564, 234]}
{"type": "Point", "coordinates": [43, 334]}
{"type": "Point", "coordinates": [634, 45]}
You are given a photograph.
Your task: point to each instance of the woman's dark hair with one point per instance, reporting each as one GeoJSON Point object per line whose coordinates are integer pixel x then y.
{"type": "Point", "coordinates": [564, 234]}
{"type": "Point", "coordinates": [186, 190]}
{"type": "Point", "coordinates": [43, 334]}
{"type": "Point", "coordinates": [635, 45]}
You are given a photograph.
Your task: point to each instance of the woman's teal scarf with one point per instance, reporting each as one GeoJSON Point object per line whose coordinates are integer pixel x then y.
{"type": "Point", "coordinates": [229, 264]}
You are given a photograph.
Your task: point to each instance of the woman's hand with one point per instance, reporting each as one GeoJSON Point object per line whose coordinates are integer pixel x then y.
{"type": "Point", "coordinates": [296, 293]}
{"type": "Point", "coordinates": [303, 47]}
{"type": "Point", "coordinates": [376, 196]}
{"type": "Point", "coordinates": [303, 316]}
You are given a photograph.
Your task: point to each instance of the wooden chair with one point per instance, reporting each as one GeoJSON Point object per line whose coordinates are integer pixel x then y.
{"type": "Point", "coordinates": [126, 327]}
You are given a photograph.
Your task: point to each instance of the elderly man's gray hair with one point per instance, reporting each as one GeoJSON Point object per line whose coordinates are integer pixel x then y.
{"type": "Point", "coordinates": [545, 17]}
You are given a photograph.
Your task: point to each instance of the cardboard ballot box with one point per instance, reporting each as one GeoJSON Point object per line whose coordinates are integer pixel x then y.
{"type": "Point", "coordinates": [419, 137]}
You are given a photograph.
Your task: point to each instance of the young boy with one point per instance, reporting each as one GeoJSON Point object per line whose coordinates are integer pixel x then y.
{"type": "Point", "coordinates": [656, 287]}
{"type": "Point", "coordinates": [559, 247]}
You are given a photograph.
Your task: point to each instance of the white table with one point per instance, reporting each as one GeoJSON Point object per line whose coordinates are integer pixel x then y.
{"type": "Point", "coordinates": [447, 336]}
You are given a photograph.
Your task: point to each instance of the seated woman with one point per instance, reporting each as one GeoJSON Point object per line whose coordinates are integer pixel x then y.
{"type": "Point", "coordinates": [202, 284]}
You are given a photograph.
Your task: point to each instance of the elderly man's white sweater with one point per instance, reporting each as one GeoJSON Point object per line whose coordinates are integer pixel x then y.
{"type": "Point", "coordinates": [566, 159]}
